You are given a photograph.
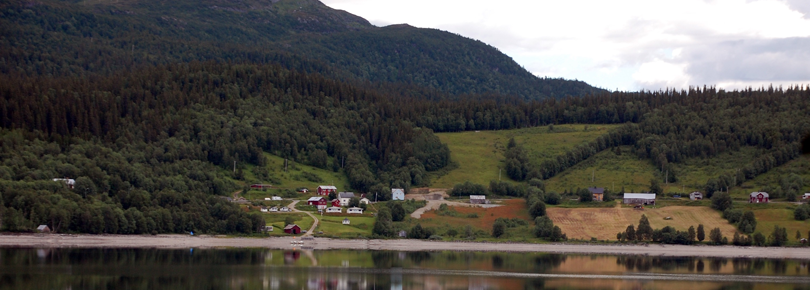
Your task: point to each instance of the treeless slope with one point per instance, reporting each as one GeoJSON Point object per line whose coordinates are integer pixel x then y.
{"type": "Point", "coordinates": [604, 223]}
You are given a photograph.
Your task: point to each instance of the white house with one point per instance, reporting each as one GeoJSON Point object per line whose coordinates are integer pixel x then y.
{"type": "Point", "coordinates": [264, 209]}
{"type": "Point", "coordinates": [334, 209]}
{"type": "Point", "coordinates": [345, 198]}
{"type": "Point", "coordinates": [346, 221]}
{"type": "Point", "coordinates": [355, 210]}
{"type": "Point", "coordinates": [806, 195]}
{"type": "Point", "coordinates": [68, 181]}
{"type": "Point", "coordinates": [275, 197]}
{"type": "Point", "coordinates": [397, 194]}
{"type": "Point", "coordinates": [478, 199]}
{"type": "Point", "coordinates": [273, 209]}
{"type": "Point", "coordinates": [696, 195]}
{"type": "Point", "coordinates": [364, 200]}
{"type": "Point", "coordinates": [285, 209]}
{"type": "Point", "coordinates": [266, 198]}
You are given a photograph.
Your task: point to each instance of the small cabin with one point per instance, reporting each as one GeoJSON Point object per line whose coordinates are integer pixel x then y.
{"type": "Point", "coordinates": [334, 209]}
{"type": "Point", "coordinates": [275, 197]}
{"type": "Point", "coordinates": [292, 229]}
{"type": "Point", "coordinates": [758, 197]}
{"type": "Point", "coordinates": [68, 181]}
{"type": "Point", "coordinates": [264, 209]}
{"type": "Point", "coordinates": [285, 209]}
{"type": "Point", "coordinates": [697, 195]}
{"type": "Point", "coordinates": [397, 194]}
{"type": "Point", "coordinates": [267, 229]}
{"type": "Point", "coordinates": [273, 209]}
{"type": "Point", "coordinates": [355, 210]}
{"type": "Point", "coordinates": [364, 201]}
{"type": "Point", "coordinates": [346, 221]}
{"type": "Point", "coordinates": [43, 229]}
{"type": "Point", "coordinates": [806, 195]}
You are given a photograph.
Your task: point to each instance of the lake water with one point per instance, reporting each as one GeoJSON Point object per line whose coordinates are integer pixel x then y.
{"type": "Point", "coordinates": [342, 269]}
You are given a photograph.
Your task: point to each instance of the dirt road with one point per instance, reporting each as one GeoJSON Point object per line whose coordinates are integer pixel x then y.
{"type": "Point", "coordinates": [434, 205]}
{"type": "Point", "coordinates": [314, 224]}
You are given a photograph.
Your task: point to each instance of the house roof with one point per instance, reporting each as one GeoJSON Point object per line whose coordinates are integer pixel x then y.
{"type": "Point", "coordinates": [765, 194]}
{"type": "Point", "coordinates": [478, 197]}
{"type": "Point", "coordinates": [596, 190]}
{"type": "Point", "coordinates": [333, 208]}
{"type": "Point", "coordinates": [290, 226]}
{"type": "Point", "coordinates": [42, 227]}
{"type": "Point", "coordinates": [327, 187]}
{"type": "Point", "coordinates": [397, 190]}
{"type": "Point", "coordinates": [640, 195]}
{"type": "Point", "coordinates": [697, 192]}
{"type": "Point", "coordinates": [355, 208]}
{"type": "Point", "coordinates": [346, 195]}
{"type": "Point", "coordinates": [315, 198]}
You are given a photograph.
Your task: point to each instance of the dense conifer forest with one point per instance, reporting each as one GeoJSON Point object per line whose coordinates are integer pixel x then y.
{"type": "Point", "coordinates": [150, 117]}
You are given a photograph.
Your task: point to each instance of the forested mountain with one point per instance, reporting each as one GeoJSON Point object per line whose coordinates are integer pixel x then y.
{"type": "Point", "coordinates": [86, 37]}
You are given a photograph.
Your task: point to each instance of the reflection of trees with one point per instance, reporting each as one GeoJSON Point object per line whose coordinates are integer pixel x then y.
{"type": "Point", "coordinates": [418, 257]}
{"type": "Point", "coordinates": [548, 262]}
{"type": "Point", "coordinates": [497, 262]}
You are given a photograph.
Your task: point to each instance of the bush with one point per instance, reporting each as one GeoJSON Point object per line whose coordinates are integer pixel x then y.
{"type": "Point", "coordinates": [552, 198]}
{"type": "Point", "coordinates": [498, 228]}
{"type": "Point", "coordinates": [721, 201]}
{"type": "Point", "coordinates": [801, 213]}
{"type": "Point", "coordinates": [468, 188]}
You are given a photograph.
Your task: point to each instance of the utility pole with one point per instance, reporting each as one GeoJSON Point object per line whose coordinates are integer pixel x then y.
{"type": "Point", "coordinates": [234, 166]}
{"type": "Point", "coordinates": [593, 175]}
{"type": "Point", "coordinates": [499, 175]}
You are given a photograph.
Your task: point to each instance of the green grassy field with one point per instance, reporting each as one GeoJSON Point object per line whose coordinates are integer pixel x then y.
{"type": "Point", "coordinates": [277, 221]}
{"type": "Point", "coordinates": [479, 154]}
{"type": "Point", "coordinates": [297, 176]}
{"type": "Point", "coordinates": [333, 226]}
{"type": "Point", "coordinates": [607, 170]}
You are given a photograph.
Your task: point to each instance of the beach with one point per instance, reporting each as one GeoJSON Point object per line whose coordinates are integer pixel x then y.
{"type": "Point", "coordinates": [206, 241]}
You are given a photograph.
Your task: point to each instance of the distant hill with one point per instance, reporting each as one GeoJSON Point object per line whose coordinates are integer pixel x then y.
{"type": "Point", "coordinates": [86, 37]}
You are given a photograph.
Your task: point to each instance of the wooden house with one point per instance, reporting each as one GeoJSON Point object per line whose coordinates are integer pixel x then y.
{"type": "Point", "coordinates": [364, 201]}
{"type": "Point", "coordinates": [639, 198]}
{"type": "Point", "coordinates": [292, 229]}
{"type": "Point", "coordinates": [345, 198]}
{"type": "Point", "coordinates": [598, 193]}
{"type": "Point", "coordinates": [318, 201]}
{"type": "Point", "coordinates": [334, 209]}
{"type": "Point", "coordinates": [806, 195]}
{"type": "Point", "coordinates": [346, 221]}
{"type": "Point", "coordinates": [326, 189]}
{"type": "Point", "coordinates": [68, 181]}
{"type": "Point", "coordinates": [335, 202]}
{"type": "Point", "coordinates": [355, 210]}
{"type": "Point", "coordinates": [264, 209]}
{"type": "Point", "coordinates": [758, 197]}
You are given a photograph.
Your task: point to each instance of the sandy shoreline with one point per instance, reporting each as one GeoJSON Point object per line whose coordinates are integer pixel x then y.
{"type": "Point", "coordinates": [184, 242]}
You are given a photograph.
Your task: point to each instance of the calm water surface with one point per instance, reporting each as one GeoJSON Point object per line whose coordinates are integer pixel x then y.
{"type": "Point", "coordinates": [342, 269]}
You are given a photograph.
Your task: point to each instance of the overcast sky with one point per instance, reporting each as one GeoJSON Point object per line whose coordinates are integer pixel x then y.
{"type": "Point", "coordinates": [626, 44]}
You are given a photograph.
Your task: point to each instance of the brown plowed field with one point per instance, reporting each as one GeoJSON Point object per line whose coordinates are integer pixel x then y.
{"type": "Point", "coordinates": [604, 223]}
{"type": "Point", "coordinates": [511, 208]}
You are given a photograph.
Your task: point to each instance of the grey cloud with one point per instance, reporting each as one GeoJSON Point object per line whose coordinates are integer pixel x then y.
{"type": "Point", "coordinates": [802, 6]}
{"type": "Point", "coordinates": [768, 60]}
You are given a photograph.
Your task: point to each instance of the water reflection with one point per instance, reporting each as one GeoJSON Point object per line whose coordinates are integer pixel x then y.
{"type": "Point", "coordinates": [307, 269]}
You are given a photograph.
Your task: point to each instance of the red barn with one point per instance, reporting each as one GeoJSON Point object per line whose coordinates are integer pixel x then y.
{"type": "Point", "coordinates": [336, 202]}
{"type": "Point", "coordinates": [292, 229]}
{"type": "Point", "coordinates": [758, 197]}
{"type": "Point", "coordinates": [326, 189]}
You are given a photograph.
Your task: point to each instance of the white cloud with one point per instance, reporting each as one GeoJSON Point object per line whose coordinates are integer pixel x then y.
{"type": "Point", "coordinates": [625, 44]}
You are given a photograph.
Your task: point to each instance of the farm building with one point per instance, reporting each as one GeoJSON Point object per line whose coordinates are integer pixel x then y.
{"type": "Point", "coordinates": [68, 181]}
{"type": "Point", "coordinates": [364, 200]}
{"type": "Point", "coordinates": [597, 192]}
{"type": "Point", "coordinates": [397, 194]}
{"type": "Point", "coordinates": [356, 210]}
{"type": "Point", "coordinates": [317, 201]}
{"type": "Point", "coordinates": [478, 199]}
{"type": "Point", "coordinates": [345, 198]}
{"type": "Point", "coordinates": [335, 202]}
{"type": "Point", "coordinates": [758, 197]}
{"type": "Point", "coordinates": [639, 198]}
{"type": "Point", "coordinates": [275, 197]}
{"type": "Point", "coordinates": [326, 189]}
{"type": "Point", "coordinates": [334, 209]}
{"type": "Point", "coordinates": [264, 209]}
{"type": "Point", "coordinates": [43, 229]}
{"type": "Point", "coordinates": [273, 209]}
{"type": "Point", "coordinates": [346, 221]}
{"type": "Point", "coordinates": [806, 195]}
{"type": "Point", "coordinates": [268, 228]}
{"type": "Point", "coordinates": [697, 195]}
{"type": "Point", "coordinates": [292, 229]}
{"type": "Point", "coordinates": [303, 190]}
{"type": "Point", "coordinates": [260, 186]}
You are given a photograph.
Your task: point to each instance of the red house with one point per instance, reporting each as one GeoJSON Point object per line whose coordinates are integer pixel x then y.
{"type": "Point", "coordinates": [318, 201]}
{"type": "Point", "coordinates": [758, 197]}
{"type": "Point", "coordinates": [336, 202]}
{"type": "Point", "coordinates": [292, 229]}
{"type": "Point", "coordinates": [326, 189]}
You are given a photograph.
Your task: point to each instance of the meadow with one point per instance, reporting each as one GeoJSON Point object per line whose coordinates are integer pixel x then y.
{"type": "Point", "coordinates": [479, 154]}
{"type": "Point", "coordinates": [277, 221]}
{"type": "Point", "coordinates": [295, 177]}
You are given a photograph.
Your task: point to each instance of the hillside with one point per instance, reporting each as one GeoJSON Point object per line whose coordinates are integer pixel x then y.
{"type": "Point", "coordinates": [89, 37]}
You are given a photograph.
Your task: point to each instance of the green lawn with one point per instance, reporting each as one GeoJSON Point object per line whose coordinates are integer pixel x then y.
{"type": "Point", "coordinates": [479, 154]}
{"type": "Point", "coordinates": [277, 221]}
{"type": "Point", "coordinates": [607, 170]}
{"type": "Point", "coordinates": [333, 226]}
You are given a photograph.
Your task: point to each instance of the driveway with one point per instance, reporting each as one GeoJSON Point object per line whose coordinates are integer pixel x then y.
{"type": "Point", "coordinates": [314, 224]}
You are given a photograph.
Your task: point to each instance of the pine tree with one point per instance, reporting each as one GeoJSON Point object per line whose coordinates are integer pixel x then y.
{"type": "Point", "coordinates": [701, 234]}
